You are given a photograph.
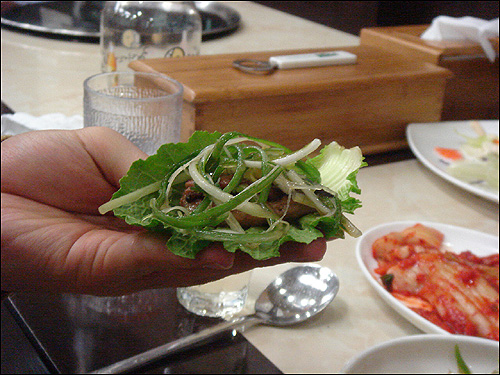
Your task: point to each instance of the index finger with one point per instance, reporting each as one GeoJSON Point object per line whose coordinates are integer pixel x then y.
{"type": "Point", "coordinates": [111, 151]}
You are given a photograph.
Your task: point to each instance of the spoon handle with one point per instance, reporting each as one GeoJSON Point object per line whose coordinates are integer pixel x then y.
{"type": "Point", "coordinates": [188, 342]}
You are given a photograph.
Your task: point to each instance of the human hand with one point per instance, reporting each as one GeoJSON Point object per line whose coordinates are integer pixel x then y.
{"type": "Point", "coordinates": [54, 239]}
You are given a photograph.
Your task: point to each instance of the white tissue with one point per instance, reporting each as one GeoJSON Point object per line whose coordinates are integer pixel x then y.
{"type": "Point", "coordinates": [464, 28]}
{"type": "Point", "coordinates": [20, 122]}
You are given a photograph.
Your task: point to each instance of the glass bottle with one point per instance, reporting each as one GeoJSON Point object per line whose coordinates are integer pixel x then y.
{"type": "Point", "coordinates": [134, 30]}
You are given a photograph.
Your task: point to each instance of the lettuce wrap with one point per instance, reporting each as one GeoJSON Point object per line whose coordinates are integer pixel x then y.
{"type": "Point", "coordinates": [248, 193]}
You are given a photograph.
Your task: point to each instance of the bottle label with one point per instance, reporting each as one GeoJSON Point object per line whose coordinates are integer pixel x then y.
{"type": "Point", "coordinates": [131, 39]}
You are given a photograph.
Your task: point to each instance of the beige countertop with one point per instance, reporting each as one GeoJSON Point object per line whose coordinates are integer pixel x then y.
{"type": "Point", "coordinates": [358, 318]}
{"type": "Point", "coordinates": [42, 76]}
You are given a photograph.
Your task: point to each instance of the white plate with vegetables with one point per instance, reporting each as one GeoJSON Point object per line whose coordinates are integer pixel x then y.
{"type": "Point", "coordinates": [432, 354]}
{"type": "Point", "coordinates": [464, 153]}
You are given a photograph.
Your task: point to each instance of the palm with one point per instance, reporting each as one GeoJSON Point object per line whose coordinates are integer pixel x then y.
{"type": "Point", "coordinates": [52, 232]}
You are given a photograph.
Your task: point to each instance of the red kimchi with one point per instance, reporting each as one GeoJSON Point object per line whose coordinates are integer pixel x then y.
{"type": "Point", "coordinates": [457, 292]}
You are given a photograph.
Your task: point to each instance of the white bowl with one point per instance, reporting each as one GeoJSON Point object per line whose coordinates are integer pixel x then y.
{"type": "Point", "coordinates": [427, 353]}
{"type": "Point", "coordinates": [456, 239]}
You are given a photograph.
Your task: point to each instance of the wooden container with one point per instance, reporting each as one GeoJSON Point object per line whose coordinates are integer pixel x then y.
{"type": "Point", "coordinates": [367, 104]}
{"type": "Point", "coordinates": [471, 93]}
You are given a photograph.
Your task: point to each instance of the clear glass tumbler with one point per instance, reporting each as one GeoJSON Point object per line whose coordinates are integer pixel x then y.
{"type": "Point", "coordinates": [144, 107]}
{"type": "Point", "coordinates": [222, 298]}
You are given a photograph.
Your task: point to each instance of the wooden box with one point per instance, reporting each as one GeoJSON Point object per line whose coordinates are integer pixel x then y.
{"type": "Point", "coordinates": [472, 92]}
{"type": "Point", "coordinates": [367, 104]}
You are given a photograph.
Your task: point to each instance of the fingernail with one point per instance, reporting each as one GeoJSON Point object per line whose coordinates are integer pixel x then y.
{"type": "Point", "coordinates": [217, 266]}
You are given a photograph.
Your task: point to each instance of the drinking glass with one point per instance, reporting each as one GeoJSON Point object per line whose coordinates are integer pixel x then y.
{"type": "Point", "coordinates": [147, 109]}
{"type": "Point", "coordinates": [222, 298]}
{"type": "Point", "coordinates": [144, 107]}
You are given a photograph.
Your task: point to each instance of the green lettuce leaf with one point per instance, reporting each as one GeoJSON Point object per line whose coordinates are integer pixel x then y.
{"type": "Point", "coordinates": [143, 173]}
{"type": "Point", "coordinates": [339, 168]}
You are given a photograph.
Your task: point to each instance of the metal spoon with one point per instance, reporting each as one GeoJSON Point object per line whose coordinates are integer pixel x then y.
{"type": "Point", "coordinates": [294, 296]}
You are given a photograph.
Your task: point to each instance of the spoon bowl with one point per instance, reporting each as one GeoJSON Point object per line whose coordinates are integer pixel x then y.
{"type": "Point", "coordinates": [293, 297]}
{"type": "Point", "coordinates": [296, 295]}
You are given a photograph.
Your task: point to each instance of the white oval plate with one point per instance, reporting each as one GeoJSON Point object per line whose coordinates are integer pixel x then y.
{"type": "Point", "coordinates": [456, 239]}
{"type": "Point", "coordinates": [423, 138]}
{"type": "Point", "coordinates": [431, 354]}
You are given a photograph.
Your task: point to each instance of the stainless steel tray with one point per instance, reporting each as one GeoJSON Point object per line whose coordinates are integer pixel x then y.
{"type": "Point", "coordinates": [80, 19]}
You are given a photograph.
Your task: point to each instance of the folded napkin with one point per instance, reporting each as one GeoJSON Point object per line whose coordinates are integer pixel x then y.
{"type": "Point", "coordinates": [20, 122]}
{"type": "Point", "coordinates": [464, 28]}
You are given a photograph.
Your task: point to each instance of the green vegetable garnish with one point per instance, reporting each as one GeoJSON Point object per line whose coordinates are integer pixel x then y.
{"type": "Point", "coordinates": [150, 194]}
{"type": "Point", "coordinates": [462, 366]}
{"type": "Point", "coordinates": [387, 280]}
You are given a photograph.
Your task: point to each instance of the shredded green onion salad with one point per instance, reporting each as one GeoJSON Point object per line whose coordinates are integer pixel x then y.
{"type": "Point", "coordinates": [150, 194]}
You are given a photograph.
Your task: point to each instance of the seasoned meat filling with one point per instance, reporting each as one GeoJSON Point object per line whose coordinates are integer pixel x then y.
{"type": "Point", "coordinates": [277, 201]}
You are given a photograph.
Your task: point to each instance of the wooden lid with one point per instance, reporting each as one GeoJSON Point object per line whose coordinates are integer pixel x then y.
{"type": "Point", "coordinates": [212, 77]}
